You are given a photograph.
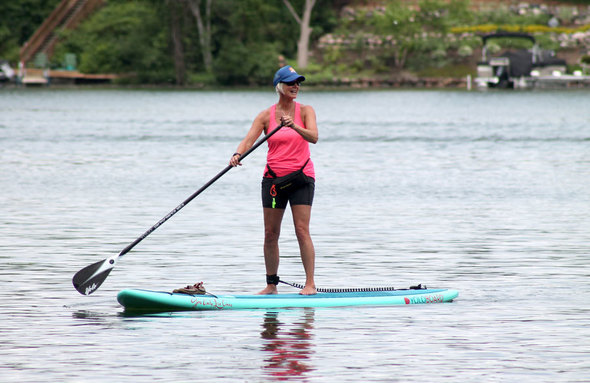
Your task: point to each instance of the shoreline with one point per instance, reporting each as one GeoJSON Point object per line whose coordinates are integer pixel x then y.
{"type": "Point", "coordinates": [337, 83]}
{"type": "Point", "coordinates": [341, 84]}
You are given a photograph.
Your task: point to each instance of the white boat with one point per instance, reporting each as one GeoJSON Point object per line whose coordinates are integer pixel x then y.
{"type": "Point", "coordinates": [524, 68]}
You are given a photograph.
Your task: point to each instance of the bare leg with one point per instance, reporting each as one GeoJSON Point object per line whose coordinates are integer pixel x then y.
{"type": "Point", "coordinates": [272, 231]}
{"type": "Point", "coordinates": [301, 218]}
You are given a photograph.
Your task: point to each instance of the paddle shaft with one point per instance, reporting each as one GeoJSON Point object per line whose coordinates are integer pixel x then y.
{"type": "Point", "coordinates": [195, 194]}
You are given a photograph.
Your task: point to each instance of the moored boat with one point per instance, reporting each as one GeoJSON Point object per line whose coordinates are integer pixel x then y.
{"type": "Point", "coordinates": [524, 68]}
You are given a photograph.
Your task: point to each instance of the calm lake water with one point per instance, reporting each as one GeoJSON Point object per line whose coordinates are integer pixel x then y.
{"type": "Point", "coordinates": [486, 193]}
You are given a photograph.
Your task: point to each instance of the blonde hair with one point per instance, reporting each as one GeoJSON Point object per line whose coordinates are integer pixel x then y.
{"type": "Point", "coordinates": [279, 88]}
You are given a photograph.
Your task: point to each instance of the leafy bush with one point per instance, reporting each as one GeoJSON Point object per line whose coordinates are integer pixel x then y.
{"type": "Point", "coordinates": [239, 64]}
{"type": "Point", "coordinates": [465, 51]}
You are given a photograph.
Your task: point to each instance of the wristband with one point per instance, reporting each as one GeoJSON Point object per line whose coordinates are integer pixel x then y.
{"type": "Point", "coordinates": [236, 154]}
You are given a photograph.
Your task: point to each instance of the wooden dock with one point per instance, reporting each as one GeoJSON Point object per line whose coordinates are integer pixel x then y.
{"type": "Point", "coordinates": [41, 77]}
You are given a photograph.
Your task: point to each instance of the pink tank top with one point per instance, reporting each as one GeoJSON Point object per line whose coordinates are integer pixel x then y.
{"type": "Point", "coordinates": [287, 150]}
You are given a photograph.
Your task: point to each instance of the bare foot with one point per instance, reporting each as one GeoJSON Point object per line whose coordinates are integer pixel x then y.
{"type": "Point", "coordinates": [269, 290]}
{"type": "Point", "coordinates": [308, 291]}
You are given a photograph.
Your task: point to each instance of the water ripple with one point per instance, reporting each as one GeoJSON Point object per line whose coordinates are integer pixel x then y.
{"type": "Point", "coordinates": [484, 193]}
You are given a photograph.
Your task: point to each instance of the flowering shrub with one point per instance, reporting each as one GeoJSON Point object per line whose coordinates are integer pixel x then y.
{"type": "Point", "coordinates": [490, 28]}
{"type": "Point", "coordinates": [561, 37]}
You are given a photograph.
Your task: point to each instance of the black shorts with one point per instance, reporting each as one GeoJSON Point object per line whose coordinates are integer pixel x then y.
{"type": "Point", "coordinates": [303, 195]}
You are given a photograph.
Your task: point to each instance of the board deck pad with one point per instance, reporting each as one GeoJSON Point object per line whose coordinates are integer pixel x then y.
{"type": "Point", "coordinates": [160, 301]}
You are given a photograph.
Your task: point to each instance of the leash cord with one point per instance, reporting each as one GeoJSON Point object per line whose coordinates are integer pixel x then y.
{"type": "Point", "coordinates": [354, 289]}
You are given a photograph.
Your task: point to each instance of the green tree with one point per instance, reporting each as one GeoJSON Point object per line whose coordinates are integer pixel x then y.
{"type": "Point", "coordinates": [176, 36]}
{"type": "Point", "coordinates": [233, 42]}
{"type": "Point", "coordinates": [419, 34]}
{"type": "Point", "coordinates": [18, 22]}
{"type": "Point", "coordinates": [124, 38]}
{"type": "Point", "coordinates": [248, 38]}
{"type": "Point", "coordinates": [246, 64]}
{"type": "Point", "coordinates": [203, 20]}
{"type": "Point", "coordinates": [304, 30]}
{"type": "Point", "coordinates": [266, 29]}
{"type": "Point", "coordinates": [402, 32]}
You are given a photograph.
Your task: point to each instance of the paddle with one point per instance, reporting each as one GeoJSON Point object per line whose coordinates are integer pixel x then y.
{"type": "Point", "coordinates": [89, 279]}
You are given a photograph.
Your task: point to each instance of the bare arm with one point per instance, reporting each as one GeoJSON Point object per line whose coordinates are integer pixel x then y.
{"type": "Point", "coordinates": [258, 126]}
{"type": "Point", "coordinates": [310, 132]}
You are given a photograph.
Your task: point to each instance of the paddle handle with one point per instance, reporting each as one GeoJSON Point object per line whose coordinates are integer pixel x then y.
{"type": "Point", "coordinates": [195, 194]}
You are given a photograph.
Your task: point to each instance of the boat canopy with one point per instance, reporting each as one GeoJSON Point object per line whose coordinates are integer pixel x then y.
{"type": "Point", "coordinates": [485, 38]}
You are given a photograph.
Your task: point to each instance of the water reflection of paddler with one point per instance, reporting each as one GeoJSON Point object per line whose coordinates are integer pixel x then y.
{"type": "Point", "coordinates": [288, 346]}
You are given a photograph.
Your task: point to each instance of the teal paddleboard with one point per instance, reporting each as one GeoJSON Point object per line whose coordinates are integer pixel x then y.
{"type": "Point", "coordinates": [158, 301]}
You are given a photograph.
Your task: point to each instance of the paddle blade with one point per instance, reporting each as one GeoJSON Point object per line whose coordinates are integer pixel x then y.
{"type": "Point", "coordinates": [89, 279]}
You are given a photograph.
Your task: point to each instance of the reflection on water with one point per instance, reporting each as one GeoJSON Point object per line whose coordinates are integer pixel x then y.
{"type": "Point", "coordinates": [287, 346]}
{"type": "Point", "coordinates": [89, 316]}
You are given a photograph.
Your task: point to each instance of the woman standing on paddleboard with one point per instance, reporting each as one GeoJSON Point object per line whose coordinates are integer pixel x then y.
{"type": "Point", "coordinates": [289, 175]}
